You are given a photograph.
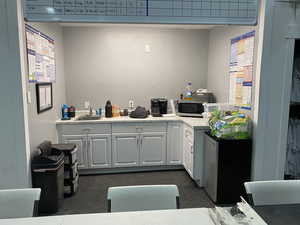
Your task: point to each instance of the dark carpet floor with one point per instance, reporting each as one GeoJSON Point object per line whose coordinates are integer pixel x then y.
{"type": "Point", "coordinates": [91, 196]}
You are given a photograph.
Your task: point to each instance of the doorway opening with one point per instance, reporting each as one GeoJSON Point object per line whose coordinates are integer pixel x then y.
{"type": "Point", "coordinates": [292, 167]}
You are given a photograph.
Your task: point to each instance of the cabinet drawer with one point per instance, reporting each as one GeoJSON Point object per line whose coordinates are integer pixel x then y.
{"type": "Point", "coordinates": [138, 127]}
{"type": "Point", "coordinates": [84, 129]}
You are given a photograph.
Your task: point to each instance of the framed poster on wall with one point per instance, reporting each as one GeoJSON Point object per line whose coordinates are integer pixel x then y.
{"type": "Point", "coordinates": [44, 97]}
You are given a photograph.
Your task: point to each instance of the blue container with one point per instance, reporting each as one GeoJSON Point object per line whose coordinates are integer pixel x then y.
{"type": "Point", "coordinates": [64, 110]}
{"type": "Point", "coordinates": [99, 112]}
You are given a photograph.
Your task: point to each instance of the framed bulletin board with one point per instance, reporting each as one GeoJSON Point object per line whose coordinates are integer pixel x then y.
{"type": "Point", "coordinates": [44, 97]}
{"type": "Point", "coordinates": [238, 12]}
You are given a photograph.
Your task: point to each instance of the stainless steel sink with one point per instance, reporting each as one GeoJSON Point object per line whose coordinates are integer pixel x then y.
{"type": "Point", "coordinates": [88, 117]}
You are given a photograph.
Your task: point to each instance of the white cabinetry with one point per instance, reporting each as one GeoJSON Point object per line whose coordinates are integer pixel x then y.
{"type": "Point", "coordinates": [136, 144]}
{"type": "Point", "coordinates": [190, 164]}
{"type": "Point", "coordinates": [188, 149]}
{"type": "Point", "coordinates": [99, 151]}
{"type": "Point", "coordinates": [125, 150]}
{"type": "Point", "coordinates": [174, 145]}
{"type": "Point", "coordinates": [81, 143]}
{"type": "Point", "coordinates": [93, 144]}
{"type": "Point", "coordinates": [153, 149]}
{"type": "Point", "coordinates": [193, 152]}
{"type": "Point", "coordinates": [139, 144]}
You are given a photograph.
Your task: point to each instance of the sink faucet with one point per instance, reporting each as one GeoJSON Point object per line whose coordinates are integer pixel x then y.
{"type": "Point", "coordinates": [91, 111]}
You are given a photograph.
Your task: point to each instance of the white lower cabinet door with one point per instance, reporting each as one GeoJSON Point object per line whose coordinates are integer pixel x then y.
{"type": "Point", "coordinates": [153, 149]}
{"type": "Point", "coordinates": [99, 151]}
{"type": "Point", "coordinates": [190, 155]}
{"type": "Point", "coordinates": [174, 145]}
{"type": "Point", "coordinates": [188, 150]}
{"type": "Point", "coordinates": [81, 142]}
{"type": "Point", "coordinates": [125, 149]}
{"type": "Point", "coordinates": [185, 152]}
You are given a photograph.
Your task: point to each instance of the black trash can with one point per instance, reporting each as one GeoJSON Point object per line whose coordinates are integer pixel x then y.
{"type": "Point", "coordinates": [48, 174]}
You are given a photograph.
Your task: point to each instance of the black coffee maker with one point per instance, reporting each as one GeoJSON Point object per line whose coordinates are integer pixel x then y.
{"type": "Point", "coordinates": [159, 106]}
{"type": "Point", "coordinates": [163, 105]}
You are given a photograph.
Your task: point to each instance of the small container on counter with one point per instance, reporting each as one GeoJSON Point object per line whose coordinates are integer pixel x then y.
{"type": "Point", "coordinates": [64, 112]}
{"type": "Point", "coordinates": [71, 111]}
{"type": "Point", "coordinates": [115, 111]}
{"type": "Point", "coordinates": [124, 112]}
{"type": "Point", "coordinates": [98, 112]}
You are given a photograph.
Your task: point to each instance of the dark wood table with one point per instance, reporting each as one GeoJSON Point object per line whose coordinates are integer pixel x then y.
{"type": "Point", "coordinates": [280, 214]}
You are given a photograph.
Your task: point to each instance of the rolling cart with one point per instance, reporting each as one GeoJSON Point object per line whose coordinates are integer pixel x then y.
{"type": "Point", "coordinates": [71, 175]}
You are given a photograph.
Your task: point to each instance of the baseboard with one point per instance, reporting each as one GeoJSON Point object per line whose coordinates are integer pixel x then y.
{"type": "Point", "coordinates": [129, 169]}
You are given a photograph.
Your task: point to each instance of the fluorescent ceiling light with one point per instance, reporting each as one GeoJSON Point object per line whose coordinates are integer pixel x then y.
{"type": "Point", "coordinates": [50, 10]}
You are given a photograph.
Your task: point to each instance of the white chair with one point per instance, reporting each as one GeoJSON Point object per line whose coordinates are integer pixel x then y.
{"type": "Point", "coordinates": [18, 203]}
{"type": "Point", "coordinates": [278, 192]}
{"type": "Point", "coordinates": [139, 198]}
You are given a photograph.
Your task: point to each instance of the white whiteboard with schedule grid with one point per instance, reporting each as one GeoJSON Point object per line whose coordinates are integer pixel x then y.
{"type": "Point", "coordinates": [243, 12]}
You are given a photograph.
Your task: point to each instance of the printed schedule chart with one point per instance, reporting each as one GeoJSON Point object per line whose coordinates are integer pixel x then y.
{"type": "Point", "coordinates": [194, 11]}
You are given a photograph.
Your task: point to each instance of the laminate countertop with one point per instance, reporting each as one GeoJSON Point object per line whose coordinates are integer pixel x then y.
{"type": "Point", "coordinates": [197, 216]}
{"type": "Point", "coordinates": [200, 123]}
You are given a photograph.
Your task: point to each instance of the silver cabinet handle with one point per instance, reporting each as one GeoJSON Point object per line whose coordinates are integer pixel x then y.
{"type": "Point", "coordinates": [141, 141]}
{"type": "Point", "coordinates": [86, 130]}
{"type": "Point", "coordinates": [86, 161]}
{"type": "Point", "coordinates": [137, 141]}
{"type": "Point", "coordinates": [139, 129]}
{"type": "Point", "coordinates": [86, 139]}
{"type": "Point", "coordinates": [88, 142]}
{"type": "Point", "coordinates": [186, 133]}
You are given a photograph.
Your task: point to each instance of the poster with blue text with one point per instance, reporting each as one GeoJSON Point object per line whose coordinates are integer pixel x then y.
{"type": "Point", "coordinates": [40, 56]}
{"type": "Point", "coordinates": [241, 70]}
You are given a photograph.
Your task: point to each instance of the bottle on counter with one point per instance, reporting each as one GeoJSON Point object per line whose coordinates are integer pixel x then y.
{"type": "Point", "coordinates": [108, 109]}
{"type": "Point", "coordinates": [188, 92]}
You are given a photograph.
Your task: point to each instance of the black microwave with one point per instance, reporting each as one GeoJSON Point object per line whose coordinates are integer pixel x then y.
{"type": "Point", "coordinates": [190, 108]}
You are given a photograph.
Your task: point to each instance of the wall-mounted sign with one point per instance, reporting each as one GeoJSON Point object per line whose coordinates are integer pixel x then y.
{"type": "Point", "coordinates": [144, 11]}
{"type": "Point", "coordinates": [40, 55]}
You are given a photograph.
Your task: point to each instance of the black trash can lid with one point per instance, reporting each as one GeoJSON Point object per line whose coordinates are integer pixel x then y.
{"type": "Point", "coordinates": [64, 147]}
{"type": "Point", "coordinates": [47, 162]}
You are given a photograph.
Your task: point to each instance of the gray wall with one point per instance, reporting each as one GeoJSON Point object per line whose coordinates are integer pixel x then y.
{"type": "Point", "coordinates": [219, 58]}
{"type": "Point", "coordinates": [111, 63]}
{"type": "Point", "coordinates": [14, 159]}
{"type": "Point", "coordinates": [42, 126]}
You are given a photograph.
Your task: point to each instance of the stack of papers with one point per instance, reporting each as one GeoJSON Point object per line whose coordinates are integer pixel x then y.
{"type": "Point", "coordinates": [222, 216]}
